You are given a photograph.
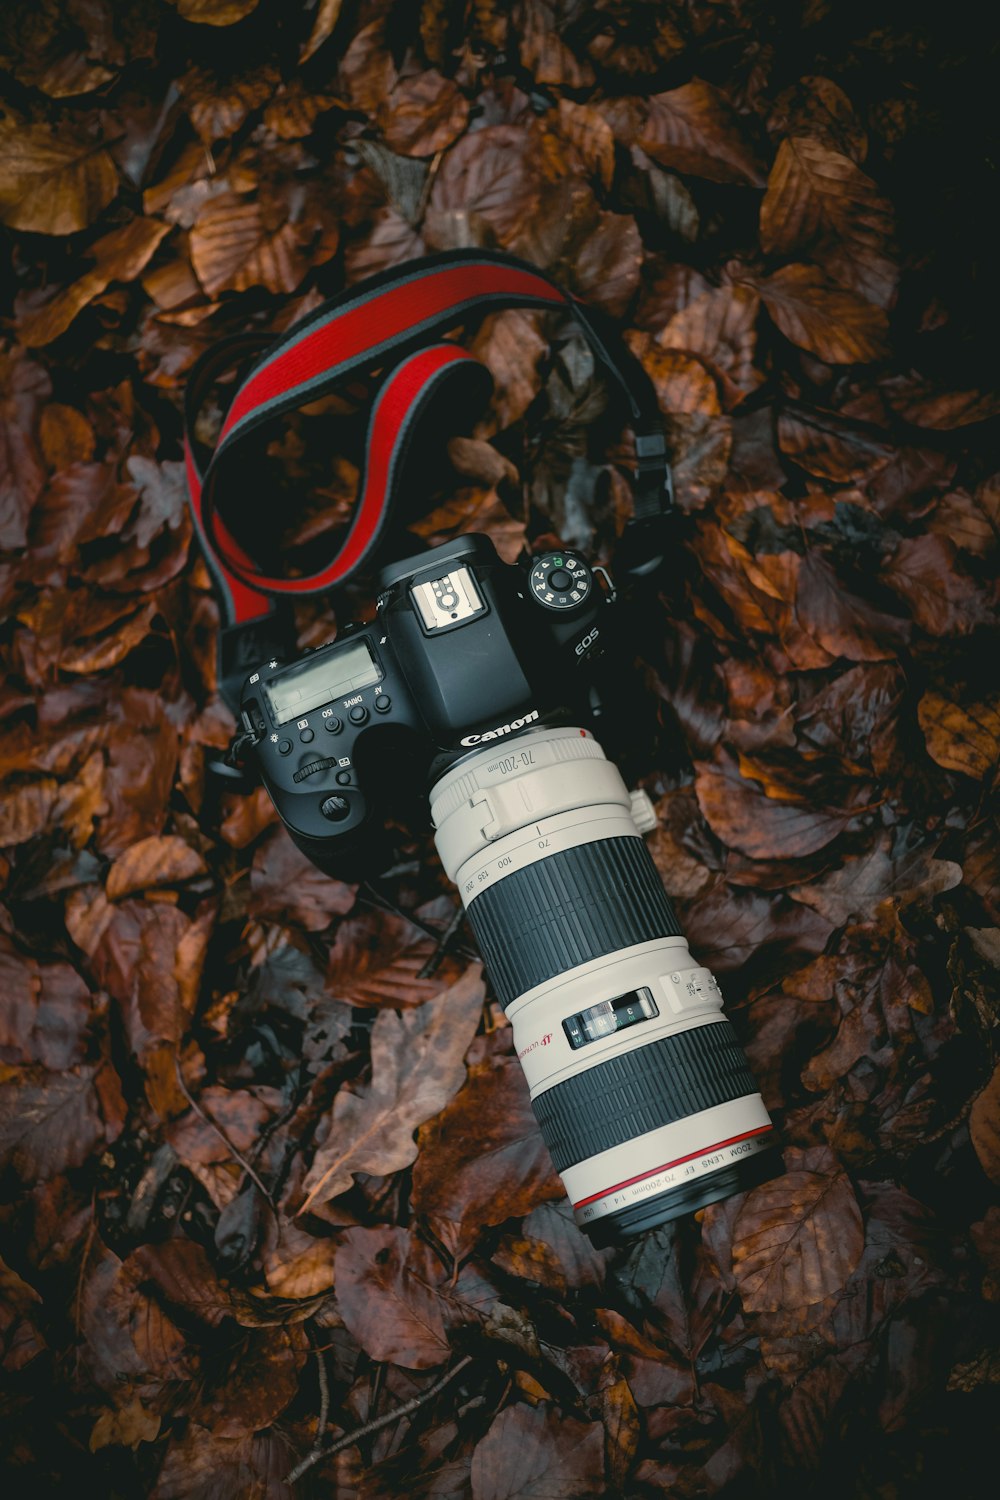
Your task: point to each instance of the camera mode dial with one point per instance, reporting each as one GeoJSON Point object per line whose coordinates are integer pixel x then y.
{"type": "Point", "coordinates": [560, 581]}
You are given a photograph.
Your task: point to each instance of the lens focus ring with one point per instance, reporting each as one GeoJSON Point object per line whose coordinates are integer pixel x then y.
{"type": "Point", "coordinates": [641, 1090]}
{"type": "Point", "coordinates": [569, 908]}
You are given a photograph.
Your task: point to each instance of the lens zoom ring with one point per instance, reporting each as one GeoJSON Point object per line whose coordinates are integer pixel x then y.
{"type": "Point", "coordinates": [640, 1090]}
{"type": "Point", "coordinates": [566, 909]}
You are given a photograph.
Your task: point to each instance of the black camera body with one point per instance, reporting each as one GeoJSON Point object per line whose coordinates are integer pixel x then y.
{"type": "Point", "coordinates": [464, 650]}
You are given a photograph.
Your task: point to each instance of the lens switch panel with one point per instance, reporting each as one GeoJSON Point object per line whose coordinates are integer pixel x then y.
{"type": "Point", "coordinates": [610, 1016]}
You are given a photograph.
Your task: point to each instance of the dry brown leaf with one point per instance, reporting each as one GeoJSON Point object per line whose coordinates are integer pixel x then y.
{"type": "Point", "coordinates": [622, 1430]}
{"type": "Point", "coordinates": [694, 129]}
{"type": "Point", "coordinates": [984, 1126]}
{"type": "Point", "coordinates": [483, 1159]}
{"type": "Point", "coordinates": [327, 16]}
{"type": "Point", "coordinates": [424, 114]}
{"type": "Point", "coordinates": [25, 810]}
{"type": "Point", "coordinates": [591, 137]}
{"type": "Point", "coordinates": [510, 345]}
{"type": "Point", "coordinates": [153, 862]}
{"type": "Point", "coordinates": [538, 1454]}
{"type": "Point", "coordinates": [65, 435]}
{"type": "Point", "coordinates": [200, 1466]}
{"type": "Point", "coordinates": [285, 885]}
{"type": "Point", "coordinates": [836, 325]}
{"type": "Point", "coordinates": [926, 405]}
{"type": "Point", "coordinates": [124, 1426]}
{"type": "Point", "coordinates": [367, 72]}
{"type": "Point", "coordinates": [417, 1064]}
{"type": "Point", "coordinates": [50, 1122]}
{"type": "Point", "coordinates": [485, 186]}
{"type": "Point", "coordinates": [961, 736]}
{"type": "Point", "coordinates": [721, 328]}
{"type": "Point", "coordinates": [387, 1303]}
{"type": "Point", "coordinates": [51, 182]}
{"type": "Point", "coordinates": [233, 247]}
{"type": "Point", "coordinates": [819, 108]}
{"type": "Point", "coordinates": [214, 12]}
{"type": "Point", "coordinates": [745, 817]}
{"type": "Point", "coordinates": [119, 256]}
{"type": "Point", "coordinates": [218, 108]}
{"type": "Point", "coordinates": [796, 1240]}
{"type": "Point", "coordinates": [820, 200]}
{"type": "Point", "coordinates": [683, 384]}
{"type": "Point", "coordinates": [544, 53]}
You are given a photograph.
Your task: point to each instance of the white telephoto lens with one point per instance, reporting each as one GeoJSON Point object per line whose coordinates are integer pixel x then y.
{"type": "Point", "coordinates": [641, 1089]}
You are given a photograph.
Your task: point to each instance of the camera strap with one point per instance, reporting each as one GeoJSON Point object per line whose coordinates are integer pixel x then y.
{"type": "Point", "coordinates": [391, 322]}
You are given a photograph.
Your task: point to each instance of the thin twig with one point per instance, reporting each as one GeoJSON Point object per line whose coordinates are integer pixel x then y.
{"type": "Point", "coordinates": [377, 1423]}
{"type": "Point", "coordinates": [212, 1125]}
{"type": "Point", "coordinates": [324, 1394]}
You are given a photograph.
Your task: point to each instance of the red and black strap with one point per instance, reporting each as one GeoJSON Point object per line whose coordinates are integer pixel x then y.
{"type": "Point", "coordinates": [390, 322]}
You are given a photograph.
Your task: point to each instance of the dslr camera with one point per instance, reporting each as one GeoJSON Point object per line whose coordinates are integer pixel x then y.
{"type": "Point", "coordinates": [483, 675]}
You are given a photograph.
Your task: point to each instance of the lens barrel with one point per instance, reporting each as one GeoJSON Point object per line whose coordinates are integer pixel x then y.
{"type": "Point", "coordinates": [642, 1092]}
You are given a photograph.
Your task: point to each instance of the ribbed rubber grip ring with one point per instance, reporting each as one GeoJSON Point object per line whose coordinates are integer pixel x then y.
{"type": "Point", "coordinates": [640, 1090]}
{"type": "Point", "coordinates": [567, 909]}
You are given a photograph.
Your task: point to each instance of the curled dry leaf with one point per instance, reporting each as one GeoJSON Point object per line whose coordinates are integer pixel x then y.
{"type": "Point", "coordinates": [52, 182]}
{"type": "Point", "coordinates": [961, 736]}
{"type": "Point", "coordinates": [417, 1064]}
{"type": "Point", "coordinates": [796, 1240]}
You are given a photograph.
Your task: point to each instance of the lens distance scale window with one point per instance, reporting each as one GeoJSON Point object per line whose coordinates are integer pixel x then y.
{"type": "Point", "coordinates": [560, 581]}
{"type": "Point", "coordinates": [610, 1016]}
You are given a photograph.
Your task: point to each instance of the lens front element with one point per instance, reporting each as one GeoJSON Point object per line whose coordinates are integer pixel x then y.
{"type": "Point", "coordinates": [642, 1092]}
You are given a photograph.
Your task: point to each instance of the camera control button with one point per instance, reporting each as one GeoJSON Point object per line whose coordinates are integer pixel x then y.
{"type": "Point", "coordinates": [333, 726]}
{"type": "Point", "coordinates": [284, 747]}
{"type": "Point", "coordinates": [358, 714]}
{"type": "Point", "coordinates": [383, 703]}
{"type": "Point", "coordinates": [343, 778]}
{"type": "Point", "coordinates": [336, 808]}
{"type": "Point", "coordinates": [306, 736]}
{"type": "Point", "coordinates": [560, 579]}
